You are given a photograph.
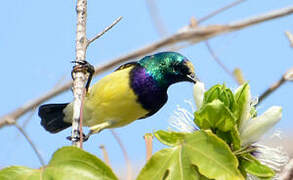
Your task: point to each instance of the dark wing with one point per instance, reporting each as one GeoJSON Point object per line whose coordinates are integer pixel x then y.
{"type": "Point", "coordinates": [126, 65]}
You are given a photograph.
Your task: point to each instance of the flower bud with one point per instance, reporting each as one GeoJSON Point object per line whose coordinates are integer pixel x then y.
{"type": "Point", "coordinates": [198, 93]}
{"type": "Point", "coordinates": [256, 127]}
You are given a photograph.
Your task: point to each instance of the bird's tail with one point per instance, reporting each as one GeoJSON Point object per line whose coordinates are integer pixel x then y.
{"type": "Point", "coordinates": [52, 116]}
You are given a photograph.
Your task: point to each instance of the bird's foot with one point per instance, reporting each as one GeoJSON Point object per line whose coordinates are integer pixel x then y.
{"type": "Point", "coordinates": [77, 137]}
{"type": "Point", "coordinates": [85, 67]}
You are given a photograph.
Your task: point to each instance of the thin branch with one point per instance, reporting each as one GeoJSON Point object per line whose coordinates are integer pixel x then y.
{"type": "Point", "coordinates": [194, 35]}
{"type": "Point", "coordinates": [271, 89]}
{"type": "Point", "coordinates": [290, 37]}
{"type": "Point", "coordinates": [27, 120]}
{"type": "Point", "coordinates": [104, 31]}
{"type": "Point", "coordinates": [105, 155]}
{"type": "Point", "coordinates": [216, 58]}
{"type": "Point", "coordinates": [79, 77]}
{"type": "Point", "coordinates": [218, 11]}
{"type": "Point", "coordinates": [38, 154]}
{"type": "Point", "coordinates": [210, 49]}
{"type": "Point", "coordinates": [287, 173]}
{"type": "Point", "coordinates": [81, 119]}
{"type": "Point", "coordinates": [156, 19]}
{"type": "Point", "coordinates": [288, 76]}
{"type": "Point", "coordinates": [128, 163]}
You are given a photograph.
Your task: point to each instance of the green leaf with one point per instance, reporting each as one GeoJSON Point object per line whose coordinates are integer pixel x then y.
{"type": "Point", "coordinates": [20, 173]}
{"type": "Point", "coordinates": [73, 163]}
{"type": "Point", "coordinates": [254, 167]}
{"type": "Point", "coordinates": [242, 97]}
{"type": "Point", "coordinates": [222, 93]}
{"type": "Point", "coordinates": [210, 154]}
{"type": "Point", "coordinates": [215, 115]}
{"type": "Point", "coordinates": [235, 136]}
{"type": "Point", "coordinates": [170, 138]}
{"type": "Point", "coordinates": [169, 164]}
{"type": "Point", "coordinates": [231, 137]}
{"type": "Point", "coordinates": [67, 163]}
{"type": "Point", "coordinates": [212, 94]}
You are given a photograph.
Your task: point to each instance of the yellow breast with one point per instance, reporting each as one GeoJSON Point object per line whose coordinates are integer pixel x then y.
{"type": "Point", "coordinates": [112, 99]}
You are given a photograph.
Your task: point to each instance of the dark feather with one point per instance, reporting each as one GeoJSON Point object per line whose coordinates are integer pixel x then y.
{"type": "Point", "coordinates": [126, 65]}
{"type": "Point", "coordinates": [53, 117]}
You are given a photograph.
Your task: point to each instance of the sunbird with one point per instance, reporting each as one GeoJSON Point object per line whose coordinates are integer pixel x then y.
{"type": "Point", "coordinates": [135, 90]}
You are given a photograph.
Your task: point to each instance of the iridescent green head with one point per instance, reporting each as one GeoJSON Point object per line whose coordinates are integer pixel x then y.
{"type": "Point", "coordinates": [168, 68]}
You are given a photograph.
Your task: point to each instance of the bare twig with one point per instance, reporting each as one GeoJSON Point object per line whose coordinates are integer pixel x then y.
{"type": "Point", "coordinates": [288, 76]}
{"type": "Point", "coordinates": [287, 173]}
{"type": "Point", "coordinates": [194, 35]}
{"type": "Point", "coordinates": [148, 138]}
{"type": "Point", "coordinates": [128, 163]}
{"type": "Point", "coordinates": [157, 21]}
{"type": "Point", "coordinates": [210, 49]}
{"type": "Point", "coordinates": [104, 31]}
{"type": "Point", "coordinates": [105, 155]}
{"type": "Point", "coordinates": [216, 58]}
{"type": "Point", "coordinates": [271, 89]}
{"type": "Point", "coordinates": [26, 121]}
{"type": "Point", "coordinates": [290, 37]}
{"type": "Point", "coordinates": [38, 154]}
{"type": "Point", "coordinates": [216, 12]}
{"type": "Point", "coordinates": [79, 77]}
{"type": "Point", "coordinates": [81, 118]}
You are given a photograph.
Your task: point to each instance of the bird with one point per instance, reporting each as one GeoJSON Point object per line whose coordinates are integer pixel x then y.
{"type": "Point", "coordinates": [135, 90]}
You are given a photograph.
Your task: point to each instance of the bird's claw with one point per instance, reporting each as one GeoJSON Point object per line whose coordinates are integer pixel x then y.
{"type": "Point", "coordinates": [77, 138]}
{"type": "Point", "coordinates": [85, 67]}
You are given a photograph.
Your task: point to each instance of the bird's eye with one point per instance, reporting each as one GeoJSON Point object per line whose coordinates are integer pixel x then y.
{"type": "Point", "coordinates": [177, 68]}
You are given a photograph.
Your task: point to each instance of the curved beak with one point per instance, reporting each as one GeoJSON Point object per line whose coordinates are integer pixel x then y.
{"type": "Point", "coordinates": [191, 75]}
{"type": "Point", "coordinates": [192, 78]}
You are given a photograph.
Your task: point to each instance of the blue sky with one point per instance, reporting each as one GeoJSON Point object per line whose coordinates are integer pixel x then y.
{"type": "Point", "coordinates": [37, 41]}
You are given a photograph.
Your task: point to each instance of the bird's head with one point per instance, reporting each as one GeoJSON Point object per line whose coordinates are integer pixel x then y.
{"type": "Point", "coordinates": [168, 68]}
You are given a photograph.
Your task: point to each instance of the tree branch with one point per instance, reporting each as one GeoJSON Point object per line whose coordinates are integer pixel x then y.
{"type": "Point", "coordinates": [156, 19]}
{"type": "Point", "coordinates": [39, 156]}
{"type": "Point", "coordinates": [290, 37]}
{"type": "Point", "coordinates": [288, 76]}
{"type": "Point", "coordinates": [79, 77]}
{"type": "Point", "coordinates": [216, 12]}
{"type": "Point", "coordinates": [128, 163]}
{"type": "Point", "coordinates": [216, 58]}
{"type": "Point", "coordinates": [104, 31]}
{"type": "Point", "coordinates": [193, 35]}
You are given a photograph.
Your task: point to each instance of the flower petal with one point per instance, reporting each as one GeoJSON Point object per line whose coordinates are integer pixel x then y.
{"type": "Point", "coordinates": [198, 93]}
{"type": "Point", "coordinates": [243, 98]}
{"type": "Point", "coordinates": [256, 127]}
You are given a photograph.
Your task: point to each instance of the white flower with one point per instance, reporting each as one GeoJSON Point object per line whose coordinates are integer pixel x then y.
{"type": "Point", "coordinates": [246, 105]}
{"type": "Point", "coordinates": [182, 119]}
{"type": "Point", "coordinates": [274, 157]}
{"type": "Point", "coordinates": [253, 129]}
{"type": "Point", "coordinates": [198, 93]}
